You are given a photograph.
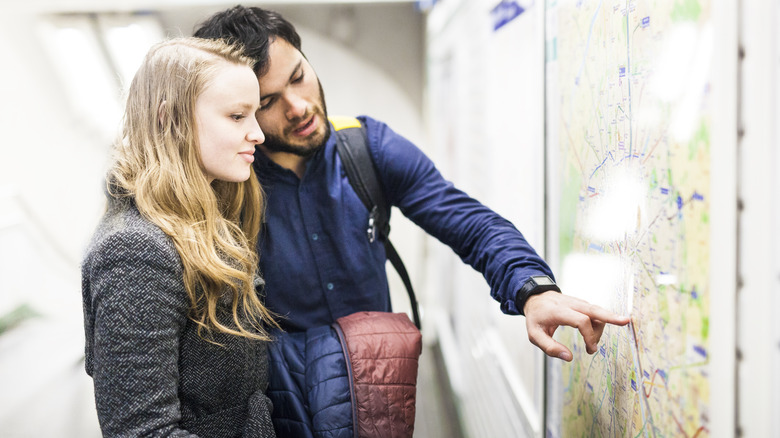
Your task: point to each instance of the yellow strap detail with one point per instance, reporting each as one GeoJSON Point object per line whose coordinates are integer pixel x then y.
{"type": "Point", "coordinates": [343, 122]}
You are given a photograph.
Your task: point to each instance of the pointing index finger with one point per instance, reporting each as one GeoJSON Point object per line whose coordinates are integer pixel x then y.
{"type": "Point", "coordinates": [601, 314]}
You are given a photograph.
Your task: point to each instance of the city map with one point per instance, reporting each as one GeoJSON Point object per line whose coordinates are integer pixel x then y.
{"type": "Point", "coordinates": [628, 104]}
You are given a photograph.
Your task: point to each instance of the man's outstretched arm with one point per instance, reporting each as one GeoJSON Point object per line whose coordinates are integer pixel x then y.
{"type": "Point", "coordinates": [547, 311]}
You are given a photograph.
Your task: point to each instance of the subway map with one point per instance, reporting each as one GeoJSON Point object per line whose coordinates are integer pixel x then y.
{"type": "Point", "coordinates": [629, 121]}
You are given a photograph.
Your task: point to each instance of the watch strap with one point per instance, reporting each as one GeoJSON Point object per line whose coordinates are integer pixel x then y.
{"type": "Point", "coordinates": [536, 284]}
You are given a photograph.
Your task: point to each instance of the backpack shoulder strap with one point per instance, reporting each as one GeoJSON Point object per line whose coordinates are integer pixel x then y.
{"type": "Point", "coordinates": [353, 149]}
{"type": "Point", "coordinates": [352, 146]}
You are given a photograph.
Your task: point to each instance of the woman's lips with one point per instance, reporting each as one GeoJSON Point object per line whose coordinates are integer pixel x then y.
{"type": "Point", "coordinates": [249, 156]}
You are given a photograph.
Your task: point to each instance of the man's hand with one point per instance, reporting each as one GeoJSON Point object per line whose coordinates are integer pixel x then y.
{"type": "Point", "coordinates": [546, 311]}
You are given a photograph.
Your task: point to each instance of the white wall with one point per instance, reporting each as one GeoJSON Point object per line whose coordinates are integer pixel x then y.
{"type": "Point", "coordinates": [758, 296]}
{"type": "Point", "coordinates": [52, 159]}
{"type": "Point", "coordinates": [50, 170]}
{"type": "Point", "coordinates": [485, 105]}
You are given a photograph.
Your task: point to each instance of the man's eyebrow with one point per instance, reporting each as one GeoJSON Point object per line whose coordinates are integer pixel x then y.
{"type": "Point", "coordinates": [295, 70]}
{"type": "Point", "coordinates": [290, 79]}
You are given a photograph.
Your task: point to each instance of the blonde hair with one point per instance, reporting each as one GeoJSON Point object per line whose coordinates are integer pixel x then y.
{"type": "Point", "coordinates": [214, 227]}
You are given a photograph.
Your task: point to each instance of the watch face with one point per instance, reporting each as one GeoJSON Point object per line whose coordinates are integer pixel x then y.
{"type": "Point", "coordinates": [542, 280]}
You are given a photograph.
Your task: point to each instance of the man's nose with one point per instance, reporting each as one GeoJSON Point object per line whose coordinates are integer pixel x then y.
{"type": "Point", "coordinates": [296, 107]}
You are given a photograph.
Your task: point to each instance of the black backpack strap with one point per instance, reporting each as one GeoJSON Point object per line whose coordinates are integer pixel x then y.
{"type": "Point", "coordinates": [395, 259]}
{"type": "Point", "coordinates": [352, 146]}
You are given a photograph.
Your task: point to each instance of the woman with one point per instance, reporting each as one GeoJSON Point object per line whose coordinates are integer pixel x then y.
{"type": "Point", "coordinates": [175, 338]}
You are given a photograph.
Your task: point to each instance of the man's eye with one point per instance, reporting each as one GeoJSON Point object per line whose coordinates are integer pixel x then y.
{"type": "Point", "coordinates": [267, 104]}
{"type": "Point", "coordinates": [299, 78]}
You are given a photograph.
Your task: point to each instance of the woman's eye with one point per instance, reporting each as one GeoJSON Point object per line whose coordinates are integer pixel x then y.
{"type": "Point", "coordinates": [237, 117]}
{"type": "Point", "coordinates": [299, 78]}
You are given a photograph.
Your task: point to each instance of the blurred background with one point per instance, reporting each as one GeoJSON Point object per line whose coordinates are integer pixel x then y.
{"type": "Point", "coordinates": [469, 82]}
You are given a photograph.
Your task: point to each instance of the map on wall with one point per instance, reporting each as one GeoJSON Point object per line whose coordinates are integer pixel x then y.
{"type": "Point", "coordinates": [629, 122]}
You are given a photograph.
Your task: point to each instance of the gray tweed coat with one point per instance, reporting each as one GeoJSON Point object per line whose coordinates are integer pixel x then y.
{"type": "Point", "coordinates": [153, 374]}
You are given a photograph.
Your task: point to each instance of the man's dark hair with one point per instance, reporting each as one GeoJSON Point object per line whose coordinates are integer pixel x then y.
{"type": "Point", "coordinates": [253, 28]}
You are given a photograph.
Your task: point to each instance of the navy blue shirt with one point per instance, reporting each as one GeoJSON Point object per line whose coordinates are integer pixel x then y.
{"type": "Point", "coordinates": [315, 256]}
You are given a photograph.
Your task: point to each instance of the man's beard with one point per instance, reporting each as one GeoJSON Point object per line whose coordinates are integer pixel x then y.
{"type": "Point", "coordinates": [274, 143]}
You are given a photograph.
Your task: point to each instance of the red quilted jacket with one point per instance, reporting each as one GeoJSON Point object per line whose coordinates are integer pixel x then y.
{"type": "Point", "coordinates": [383, 351]}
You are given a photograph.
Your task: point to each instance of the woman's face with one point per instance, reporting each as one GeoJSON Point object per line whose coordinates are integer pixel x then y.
{"type": "Point", "coordinates": [226, 123]}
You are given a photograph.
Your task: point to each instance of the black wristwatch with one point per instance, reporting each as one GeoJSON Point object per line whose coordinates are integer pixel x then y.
{"type": "Point", "coordinates": [535, 285]}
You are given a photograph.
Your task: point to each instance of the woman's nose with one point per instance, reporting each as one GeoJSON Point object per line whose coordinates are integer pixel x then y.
{"type": "Point", "coordinates": [255, 134]}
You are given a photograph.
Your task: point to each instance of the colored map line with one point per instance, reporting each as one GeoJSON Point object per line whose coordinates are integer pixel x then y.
{"type": "Point", "coordinates": [598, 167]}
{"type": "Point", "coordinates": [610, 373]}
{"type": "Point", "coordinates": [695, 434]}
{"type": "Point", "coordinates": [628, 81]}
{"type": "Point", "coordinates": [586, 378]}
{"type": "Point", "coordinates": [574, 149]}
{"type": "Point", "coordinates": [682, 204]}
{"type": "Point", "coordinates": [664, 379]}
{"type": "Point", "coordinates": [657, 142]}
{"type": "Point", "coordinates": [641, 89]}
{"type": "Point", "coordinates": [651, 384]}
{"type": "Point", "coordinates": [644, 425]}
{"type": "Point", "coordinates": [647, 386]}
{"type": "Point", "coordinates": [587, 44]}
{"type": "Point", "coordinates": [638, 365]}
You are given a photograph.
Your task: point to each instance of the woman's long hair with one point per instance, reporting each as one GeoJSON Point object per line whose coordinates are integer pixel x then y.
{"type": "Point", "coordinates": [214, 227]}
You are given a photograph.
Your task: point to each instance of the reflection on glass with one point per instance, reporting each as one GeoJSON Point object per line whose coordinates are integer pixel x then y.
{"type": "Point", "coordinates": [606, 280]}
{"type": "Point", "coordinates": [618, 208]}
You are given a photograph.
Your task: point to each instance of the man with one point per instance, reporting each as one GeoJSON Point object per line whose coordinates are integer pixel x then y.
{"type": "Point", "coordinates": [315, 257]}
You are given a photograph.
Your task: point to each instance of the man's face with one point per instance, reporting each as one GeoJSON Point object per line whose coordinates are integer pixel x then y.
{"type": "Point", "coordinates": [292, 106]}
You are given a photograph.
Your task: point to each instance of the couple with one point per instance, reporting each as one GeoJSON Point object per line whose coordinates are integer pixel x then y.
{"type": "Point", "coordinates": [176, 312]}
